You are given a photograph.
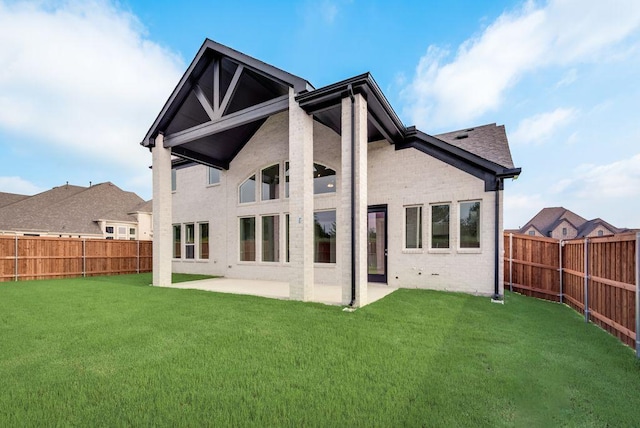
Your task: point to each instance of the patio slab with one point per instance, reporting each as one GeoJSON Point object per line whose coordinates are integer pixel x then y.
{"type": "Point", "coordinates": [323, 293]}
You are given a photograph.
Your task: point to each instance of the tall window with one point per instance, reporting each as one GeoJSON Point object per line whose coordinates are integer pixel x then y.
{"type": "Point", "coordinates": [286, 222]}
{"type": "Point", "coordinates": [440, 226]}
{"type": "Point", "coordinates": [286, 179]}
{"type": "Point", "coordinates": [177, 242]}
{"type": "Point", "coordinates": [174, 180]}
{"type": "Point", "coordinates": [271, 238]}
{"type": "Point", "coordinates": [324, 237]}
{"type": "Point", "coordinates": [324, 179]}
{"type": "Point", "coordinates": [248, 190]}
{"type": "Point", "coordinates": [413, 227]}
{"type": "Point", "coordinates": [248, 239]}
{"type": "Point", "coordinates": [189, 241]}
{"type": "Point", "coordinates": [564, 231]}
{"type": "Point", "coordinates": [213, 176]}
{"type": "Point", "coordinates": [203, 248]}
{"type": "Point", "coordinates": [271, 182]}
{"type": "Point", "coordinates": [470, 224]}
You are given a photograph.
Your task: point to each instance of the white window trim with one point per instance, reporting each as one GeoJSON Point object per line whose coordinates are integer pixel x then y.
{"type": "Point", "coordinates": [260, 254]}
{"type": "Point", "coordinates": [406, 250]}
{"type": "Point", "coordinates": [208, 176]}
{"type": "Point", "coordinates": [480, 218]}
{"type": "Point", "coordinates": [430, 249]}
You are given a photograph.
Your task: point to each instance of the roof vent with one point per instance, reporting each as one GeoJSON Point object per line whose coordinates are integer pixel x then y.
{"type": "Point", "coordinates": [469, 130]}
{"type": "Point", "coordinates": [462, 136]}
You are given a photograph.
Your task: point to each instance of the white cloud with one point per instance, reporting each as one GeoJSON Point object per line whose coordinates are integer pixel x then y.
{"type": "Point", "coordinates": [520, 208]}
{"type": "Point", "coordinates": [561, 33]}
{"type": "Point", "coordinates": [18, 185]}
{"type": "Point", "coordinates": [617, 180]}
{"type": "Point", "coordinates": [82, 76]}
{"type": "Point", "coordinates": [568, 78]}
{"type": "Point", "coordinates": [539, 128]}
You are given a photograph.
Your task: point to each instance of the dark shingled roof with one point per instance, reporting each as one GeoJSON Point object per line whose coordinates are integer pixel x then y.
{"type": "Point", "coordinates": [70, 209]}
{"type": "Point", "coordinates": [10, 198]}
{"type": "Point", "coordinates": [487, 141]}
{"type": "Point", "coordinates": [549, 218]}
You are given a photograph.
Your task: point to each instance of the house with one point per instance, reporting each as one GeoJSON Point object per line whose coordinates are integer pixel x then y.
{"type": "Point", "coordinates": [277, 180]}
{"type": "Point", "coordinates": [561, 223]}
{"type": "Point", "coordinates": [102, 211]}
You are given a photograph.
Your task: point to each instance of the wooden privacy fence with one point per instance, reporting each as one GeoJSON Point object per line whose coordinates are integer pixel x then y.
{"type": "Point", "coordinates": [598, 277]}
{"type": "Point", "coordinates": [26, 257]}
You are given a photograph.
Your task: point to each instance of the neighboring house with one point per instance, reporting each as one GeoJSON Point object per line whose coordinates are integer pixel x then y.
{"type": "Point", "coordinates": [561, 223]}
{"type": "Point", "coordinates": [99, 211]}
{"type": "Point", "coordinates": [280, 181]}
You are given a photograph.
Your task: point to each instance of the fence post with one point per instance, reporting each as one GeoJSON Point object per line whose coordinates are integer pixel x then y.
{"type": "Point", "coordinates": [586, 280]}
{"type": "Point", "coordinates": [638, 294]}
{"type": "Point", "coordinates": [560, 245]}
{"type": "Point", "coordinates": [511, 262]}
{"type": "Point", "coordinates": [16, 260]}
{"type": "Point", "coordinates": [138, 258]}
{"type": "Point", "coordinates": [84, 258]}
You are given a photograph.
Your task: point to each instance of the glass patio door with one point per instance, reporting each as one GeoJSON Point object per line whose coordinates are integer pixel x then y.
{"type": "Point", "coordinates": [377, 243]}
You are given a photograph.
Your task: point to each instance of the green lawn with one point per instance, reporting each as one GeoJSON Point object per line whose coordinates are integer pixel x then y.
{"type": "Point", "coordinates": [116, 352]}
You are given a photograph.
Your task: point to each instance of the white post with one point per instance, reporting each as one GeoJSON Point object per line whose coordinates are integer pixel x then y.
{"type": "Point", "coordinates": [359, 199]}
{"type": "Point", "coordinates": [161, 213]}
{"type": "Point", "coordinates": [301, 226]}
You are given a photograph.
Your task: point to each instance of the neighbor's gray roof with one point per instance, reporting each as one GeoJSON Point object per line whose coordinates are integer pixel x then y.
{"type": "Point", "coordinates": [144, 207]}
{"type": "Point", "coordinates": [548, 218]}
{"type": "Point", "coordinates": [10, 198]}
{"type": "Point", "coordinates": [487, 141]}
{"type": "Point", "coordinates": [70, 209]}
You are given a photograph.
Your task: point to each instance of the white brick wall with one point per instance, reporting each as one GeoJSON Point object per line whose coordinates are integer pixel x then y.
{"type": "Point", "coordinates": [395, 178]}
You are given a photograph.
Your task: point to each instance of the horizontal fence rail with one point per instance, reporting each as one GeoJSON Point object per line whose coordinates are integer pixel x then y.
{"type": "Point", "coordinates": [598, 277]}
{"type": "Point", "coordinates": [27, 257]}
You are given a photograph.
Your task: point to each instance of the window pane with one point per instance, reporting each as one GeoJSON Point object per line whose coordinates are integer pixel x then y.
{"type": "Point", "coordinates": [324, 179]}
{"type": "Point", "coordinates": [286, 179]}
{"type": "Point", "coordinates": [470, 225]}
{"type": "Point", "coordinates": [248, 190]}
{"type": "Point", "coordinates": [271, 238]}
{"type": "Point", "coordinates": [325, 237]}
{"type": "Point", "coordinates": [287, 235]}
{"type": "Point", "coordinates": [440, 226]}
{"type": "Point", "coordinates": [189, 241]}
{"type": "Point", "coordinates": [173, 180]}
{"type": "Point", "coordinates": [177, 244]}
{"type": "Point", "coordinates": [203, 252]}
{"type": "Point", "coordinates": [413, 227]}
{"type": "Point", "coordinates": [248, 239]}
{"type": "Point", "coordinates": [214, 175]}
{"type": "Point", "coordinates": [270, 182]}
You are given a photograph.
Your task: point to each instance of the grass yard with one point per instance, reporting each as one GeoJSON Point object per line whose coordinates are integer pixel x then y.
{"type": "Point", "coordinates": [112, 351]}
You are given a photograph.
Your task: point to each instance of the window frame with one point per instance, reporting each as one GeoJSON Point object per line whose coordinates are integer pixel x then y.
{"type": "Point", "coordinates": [275, 238]}
{"type": "Point", "coordinates": [252, 177]}
{"type": "Point", "coordinates": [431, 227]}
{"type": "Point", "coordinates": [189, 241]}
{"type": "Point", "coordinates": [176, 239]}
{"type": "Point", "coordinates": [214, 183]}
{"type": "Point", "coordinates": [479, 226]}
{"type": "Point", "coordinates": [333, 247]}
{"type": "Point", "coordinates": [174, 179]}
{"type": "Point", "coordinates": [240, 240]}
{"type": "Point", "coordinates": [419, 229]}
{"type": "Point", "coordinates": [271, 186]}
{"type": "Point", "coordinates": [202, 241]}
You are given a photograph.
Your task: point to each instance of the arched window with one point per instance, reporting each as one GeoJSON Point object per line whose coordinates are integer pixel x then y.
{"type": "Point", "coordinates": [248, 190]}
{"type": "Point", "coordinates": [324, 179]}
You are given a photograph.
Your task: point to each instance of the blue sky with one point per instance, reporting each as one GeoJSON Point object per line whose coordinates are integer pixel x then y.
{"type": "Point", "coordinates": [82, 81]}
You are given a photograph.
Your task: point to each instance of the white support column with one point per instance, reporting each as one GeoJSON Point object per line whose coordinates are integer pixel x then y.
{"type": "Point", "coordinates": [161, 213]}
{"type": "Point", "coordinates": [301, 229]}
{"type": "Point", "coordinates": [359, 199]}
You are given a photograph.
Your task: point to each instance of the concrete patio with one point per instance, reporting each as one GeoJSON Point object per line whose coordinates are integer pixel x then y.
{"type": "Point", "coordinates": [323, 293]}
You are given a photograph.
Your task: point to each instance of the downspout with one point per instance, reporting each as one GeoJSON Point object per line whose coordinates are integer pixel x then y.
{"type": "Point", "coordinates": [353, 198]}
{"type": "Point", "coordinates": [496, 291]}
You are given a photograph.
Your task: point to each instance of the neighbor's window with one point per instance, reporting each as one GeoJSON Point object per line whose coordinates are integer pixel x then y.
{"type": "Point", "coordinates": [132, 231]}
{"type": "Point", "coordinates": [248, 190]}
{"type": "Point", "coordinates": [532, 233]}
{"type": "Point", "coordinates": [173, 180]}
{"type": "Point", "coordinates": [440, 226]}
{"type": "Point", "coordinates": [413, 227]}
{"type": "Point", "coordinates": [189, 241]}
{"type": "Point", "coordinates": [271, 238]}
{"type": "Point", "coordinates": [213, 176]}
{"type": "Point", "coordinates": [271, 182]}
{"type": "Point", "coordinates": [108, 229]}
{"type": "Point", "coordinates": [122, 232]}
{"type": "Point", "coordinates": [324, 236]}
{"type": "Point", "coordinates": [600, 233]}
{"type": "Point", "coordinates": [324, 179]}
{"type": "Point", "coordinates": [470, 224]}
{"type": "Point", "coordinates": [248, 239]}
{"type": "Point", "coordinates": [203, 248]}
{"type": "Point", "coordinates": [177, 242]}
{"type": "Point", "coordinates": [564, 231]}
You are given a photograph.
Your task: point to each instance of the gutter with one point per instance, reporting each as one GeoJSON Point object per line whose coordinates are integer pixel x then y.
{"type": "Point", "coordinates": [496, 291]}
{"type": "Point", "coordinates": [353, 198]}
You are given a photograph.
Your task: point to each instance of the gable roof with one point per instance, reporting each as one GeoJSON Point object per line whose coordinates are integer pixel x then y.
{"type": "Point", "coordinates": [225, 96]}
{"type": "Point", "coordinates": [10, 198]}
{"type": "Point", "coordinates": [550, 218]}
{"type": "Point", "coordinates": [70, 209]}
{"type": "Point", "coordinates": [592, 225]}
